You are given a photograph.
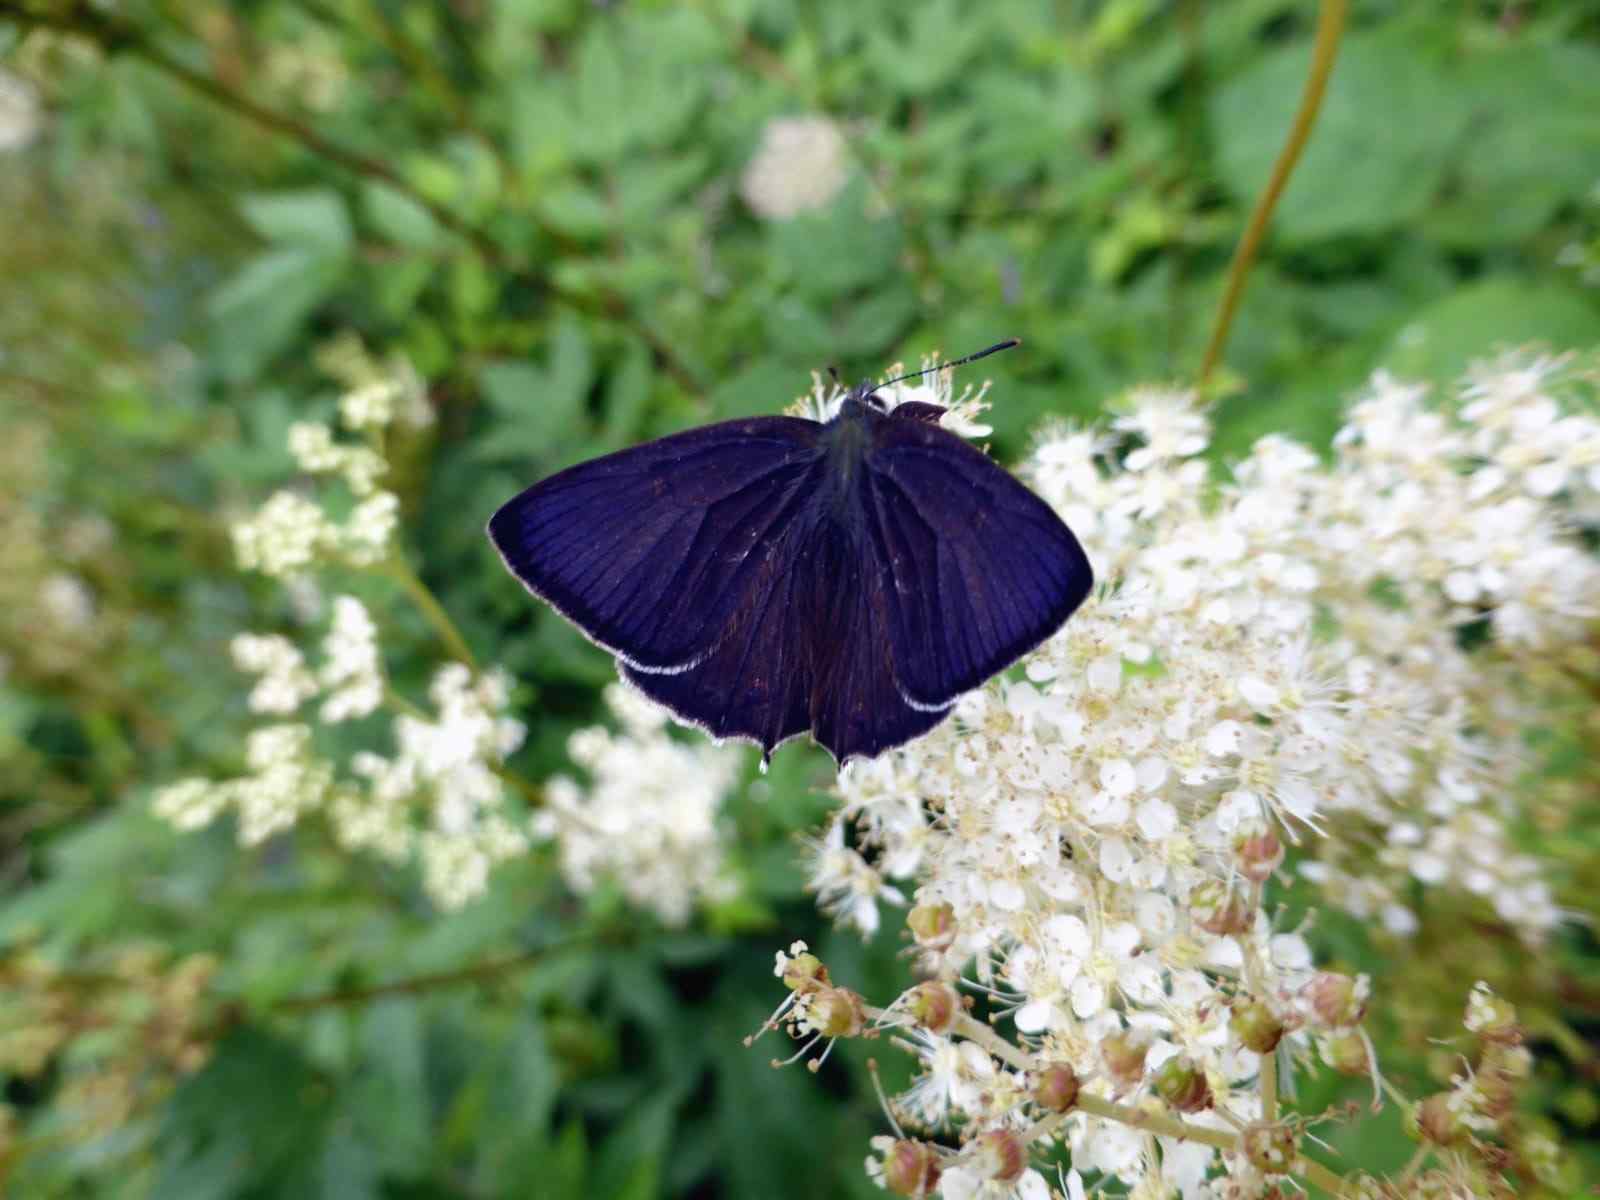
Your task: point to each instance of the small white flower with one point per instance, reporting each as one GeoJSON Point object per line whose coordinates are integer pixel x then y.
{"type": "Point", "coordinates": [20, 112]}
{"type": "Point", "coordinates": [800, 166]}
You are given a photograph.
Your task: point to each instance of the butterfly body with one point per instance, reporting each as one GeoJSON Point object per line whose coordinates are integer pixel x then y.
{"type": "Point", "coordinates": [772, 575]}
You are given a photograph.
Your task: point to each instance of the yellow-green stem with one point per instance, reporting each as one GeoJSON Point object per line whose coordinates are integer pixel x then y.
{"type": "Point", "coordinates": [400, 571]}
{"type": "Point", "coordinates": [1268, 1080]}
{"type": "Point", "coordinates": [1126, 1114]}
{"type": "Point", "coordinates": [1414, 1163]}
{"type": "Point", "coordinates": [1319, 1175]}
{"type": "Point", "coordinates": [1330, 26]}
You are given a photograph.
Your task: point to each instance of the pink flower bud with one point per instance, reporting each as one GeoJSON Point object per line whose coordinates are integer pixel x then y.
{"type": "Point", "coordinates": [1271, 1148]}
{"type": "Point", "coordinates": [804, 973]}
{"type": "Point", "coordinates": [1336, 1001]}
{"type": "Point", "coordinates": [1181, 1082]}
{"type": "Point", "coordinates": [1256, 1026]}
{"type": "Point", "coordinates": [1056, 1088]}
{"type": "Point", "coordinates": [835, 1012]}
{"type": "Point", "coordinates": [1219, 909]}
{"type": "Point", "coordinates": [933, 1005]}
{"type": "Point", "coordinates": [1123, 1054]}
{"type": "Point", "coordinates": [1001, 1155]}
{"type": "Point", "coordinates": [1435, 1121]}
{"type": "Point", "coordinates": [1346, 1053]}
{"type": "Point", "coordinates": [1257, 854]}
{"type": "Point", "coordinates": [1492, 1017]}
{"type": "Point", "coordinates": [932, 924]}
{"type": "Point", "coordinates": [911, 1169]}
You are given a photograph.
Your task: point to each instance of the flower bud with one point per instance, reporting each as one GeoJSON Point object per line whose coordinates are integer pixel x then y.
{"type": "Point", "coordinates": [1492, 1017]}
{"type": "Point", "coordinates": [1256, 1026]}
{"type": "Point", "coordinates": [835, 1012]}
{"type": "Point", "coordinates": [1181, 1082]}
{"type": "Point", "coordinates": [1123, 1053]}
{"type": "Point", "coordinates": [911, 1168]}
{"type": "Point", "coordinates": [804, 973]}
{"type": "Point", "coordinates": [932, 924]}
{"type": "Point", "coordinates": [1496, 1085]}
{"type": "Point", "coordinates": [1336, 1001]}
{"type": "Point", "coordinates": [1346, 1053]}
{"type": "Point", "coordinates": [1056, 1088]}
{"type": "Point", "coordinates": [1000, 1155]}
{"type": "Point", "coordinates": [1435, 1121]}
{"type": "Point", "coordinates": [1270, 1147]}
{"type": "Point", "coordinates": [1217, 908]}
{"type": "Point", "coordinates": [1257, 853]}
{"type": "Point", "coordinates": [933, 1005]}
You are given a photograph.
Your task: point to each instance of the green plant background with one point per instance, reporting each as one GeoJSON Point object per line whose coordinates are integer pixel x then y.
{"type": "Point", "coordinates": [540, 208]}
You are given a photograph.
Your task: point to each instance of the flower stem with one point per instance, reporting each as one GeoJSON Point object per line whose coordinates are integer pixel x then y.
{"type": "Point", "coordinates": [1330, 26]}
{"type": "Point", "coordinates": [1315, 1173]}
{"type": "Point", "coordinates": [1157, 1123]}
{"type": "Point", "coordinates": [1268, 1079]}
{"type": "Point", "coordinates": [400, 571]}
{"type": "Point", "coordinates": [1110, 1110]}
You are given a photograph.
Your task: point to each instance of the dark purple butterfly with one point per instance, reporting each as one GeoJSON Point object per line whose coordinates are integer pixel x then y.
{"type": "Point", "coordinates": [772, 575]}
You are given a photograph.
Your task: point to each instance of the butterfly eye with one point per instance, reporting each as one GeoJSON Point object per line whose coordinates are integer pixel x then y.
{"type": "Point", "coordinates": [877, 401]}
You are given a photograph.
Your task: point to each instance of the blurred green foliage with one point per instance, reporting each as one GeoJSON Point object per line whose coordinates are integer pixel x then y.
{"type": "Point", "coordinates": [538, 202]}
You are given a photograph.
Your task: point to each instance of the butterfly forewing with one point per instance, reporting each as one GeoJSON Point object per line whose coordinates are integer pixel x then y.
{"type": "Point", "coordinates": [982, 569]}
{"type": "Point", "coordinates": [652, 551]}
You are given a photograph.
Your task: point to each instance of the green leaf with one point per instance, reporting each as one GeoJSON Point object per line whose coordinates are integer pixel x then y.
{"type": "Point", "coordinates": [249, 1116]}
{"type": "Point", "coordinates": [389, 1094]}
{"type": "Point", "coordinates": [315, 219]}
{"type": "Point", "coordinates": [1371, 164]}
{"type": "Point", "coordinates": [257, 312]}
{"type": "Point", "coordinates": [398, 217]}
{"type": "Point", "coordinates": [1475, 322]}
{"type": "Point", "coordinates": [537, 407]}
{"type": "Point", "coordinates": [1532, 144]}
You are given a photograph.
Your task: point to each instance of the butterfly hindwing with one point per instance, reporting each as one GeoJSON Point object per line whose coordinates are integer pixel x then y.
{"type": "Point", "coordinates": [857, 707]}
{"type": "Point", "coordinates": [652, 551]}
{"type": "Point", "coordinates": [754, 683]}
{"type": "Point", "coordinates": [983, 570]}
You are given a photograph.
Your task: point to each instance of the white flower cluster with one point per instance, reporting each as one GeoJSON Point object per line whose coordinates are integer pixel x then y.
{"type": "Point", "coordinates": [961, 414]}
{"type": "Point", "coordinates": [647, 820]}
{"type": "Point", "coordinates": [799, 167]}
{"type": "Point", "coordinates": [292, 533]}
{"type": "Point", "coordinates": [351, 676]}
{"type": "Point", "coordinates": [286, 780]}
{"type": "Point", "coordinates": [377, 394]}
{"type": "Point", "coordinates": [438, 798]}
{"type": "Point", "coordinates": [1334, 655]}
{"type": "Point", "coordinates": [446, 763]}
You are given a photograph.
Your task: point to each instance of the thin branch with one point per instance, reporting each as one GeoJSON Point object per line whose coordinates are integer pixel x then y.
{"type": "Point", "coordinates": [400, 571]}
{"type": "Point", "coordinates": [414, 984]}
{"type": "Point", "coordinates": [1330, 26]}
{"type": "Point", "coordinates": [115, 35]}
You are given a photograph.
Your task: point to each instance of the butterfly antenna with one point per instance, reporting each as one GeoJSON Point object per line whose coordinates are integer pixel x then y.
{"type": "Point", "coordinates": [984, 353]}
